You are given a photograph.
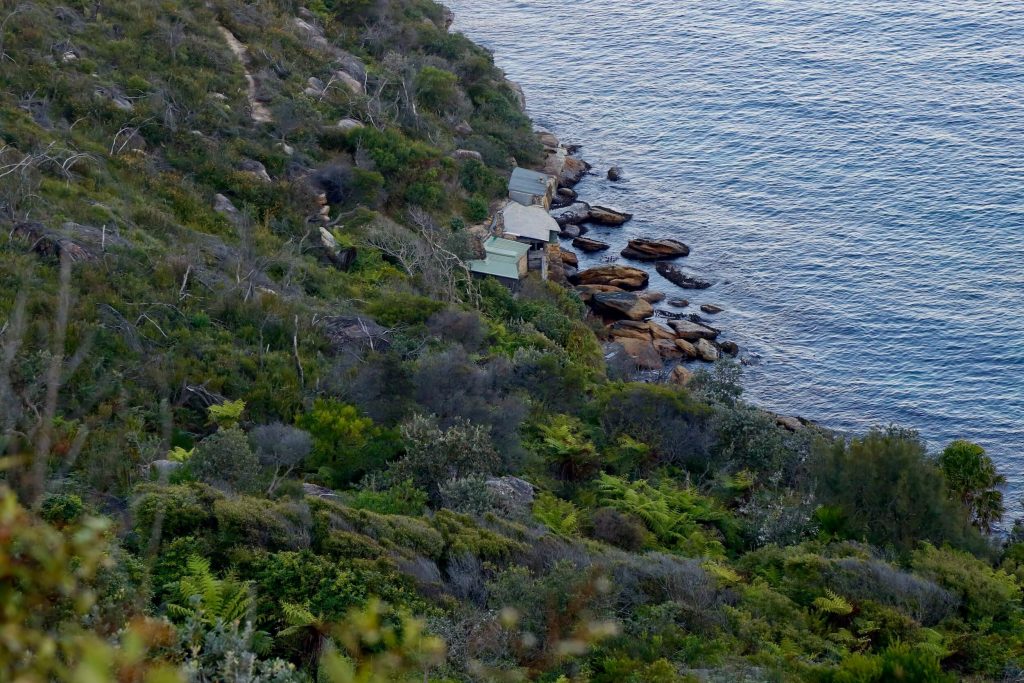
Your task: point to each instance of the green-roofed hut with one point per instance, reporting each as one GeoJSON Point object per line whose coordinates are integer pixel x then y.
{"type": "Point", "coordinates": [504, 259]}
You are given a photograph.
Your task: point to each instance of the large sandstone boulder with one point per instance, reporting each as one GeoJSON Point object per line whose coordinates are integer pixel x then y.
{"type": "Point", "coordinates": [688, 350]}
{"type": "Point", "coordinates": [573, 214]}
{"type": "Point", "coordinates": [707, 350]}
{"type": "Point", "coordinates": [603, 215]}
{"type": "Point", "coordinates": [569, 258]}
{"type": "Point", "coordinates": [659, 331]}
{"type": "Point", "coordinates": [621, 305]}
{"type": "Point", "coordinates": [629, 329]}
{"type": "Point", "coordinates": [573, 171]}
{"type": "Point", "coordinates": [677, 277]}
{"type": "Point", "coordinates": [642, 353]}
{"type": "Point", "coordinates": [653, 297]}
{"type": "Point", "coordinates": [613, 274]}
{"type": "Point", "coordinates": [667, 349]}
{"type": "Point", "coordinates": [793, 424]}
{"type": "Point", "coordinates": [680, 376]}
{"type": "Point", "coordinates": [589, 245]}
{"type": "Point", "coordinates": [653, 250]}
{"type": "Point", "coordinates": [692, 331]}
{"type": "Point", "coordinates": [587, 292]}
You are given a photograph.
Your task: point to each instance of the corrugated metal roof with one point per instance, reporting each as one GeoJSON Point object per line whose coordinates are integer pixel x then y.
{"type": "Point", "coordinates": [528, 182]}
{"type": "Point", "coordinates": [497, 268]}
{"type": "Point", "coordinates": [529, 221]}
{"type": "Point", "coordinates": [503, 247]}
{"type": "Point", "coordinates": [503, 257]}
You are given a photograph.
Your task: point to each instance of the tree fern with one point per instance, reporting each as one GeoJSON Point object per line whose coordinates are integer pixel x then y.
{"type": "Point", "coordinates": [833, 603]}
{"type": "Point", "coordinates": [202, 595]}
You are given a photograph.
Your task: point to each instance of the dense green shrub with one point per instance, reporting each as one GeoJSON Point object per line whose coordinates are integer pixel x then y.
{"type": "Point", "coordinates": [346, 445]}
{"type": "Point", "coordinates": [224, 459]}
{"type": "Point", "coordinates": [435, 456]}
{"type": "Point", "coordinates": [891, 493]}
{"type": "Point", "coordinates": [973, 480]}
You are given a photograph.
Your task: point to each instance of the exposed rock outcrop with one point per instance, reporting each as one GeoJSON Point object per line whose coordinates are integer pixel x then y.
{"type": "Point", "coordinates": [692, 331]}
{"type": "Point", "coordinates": [602, 215]}
{"type": "Point", "coordinates": [621, 305]}
{"type": "Point", "coordinates": [625, 277]}
{"type": "Point", "coordinates": [589, 245]}
{"type": "Point", "coordinates": [676, 276]}
{"type": "Point", "coordinates": [642, 353]}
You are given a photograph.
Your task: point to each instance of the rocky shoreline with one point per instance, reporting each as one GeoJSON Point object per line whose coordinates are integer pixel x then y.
{"type": "Point", "coordinates": [653, 339]}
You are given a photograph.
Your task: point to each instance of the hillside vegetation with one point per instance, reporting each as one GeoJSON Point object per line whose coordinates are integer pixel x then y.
{"type": "Point", "coordinates": [260, 425]}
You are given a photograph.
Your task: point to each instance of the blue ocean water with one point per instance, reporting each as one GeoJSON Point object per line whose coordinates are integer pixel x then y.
{"type": "Point", "coordinates": [851, 176]}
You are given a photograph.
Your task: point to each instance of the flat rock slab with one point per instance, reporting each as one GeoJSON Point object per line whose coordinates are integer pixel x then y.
{"type": "Point", "coordinates": [625, 277]}
{"type": "Point", "coordinates": [589, 245]}
{"type": "Point", "coordinates": [692, 331]}
{"type": "Point", "coordinates": [621, 305]}
{"type": "Point", "coordinates": [642, 353]}
{"type": "Point", "coordinates": [602, 215]}
{"type": "Point", "coordinates": [654, 250]}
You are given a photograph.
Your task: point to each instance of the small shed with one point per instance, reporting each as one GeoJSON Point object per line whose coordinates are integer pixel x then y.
{"type": "Point", "coordinates": [504, 259]}
{"type": "Point", "coordinates": [529, 224]}
{"type": "Point", "coordinates": [531, 188]}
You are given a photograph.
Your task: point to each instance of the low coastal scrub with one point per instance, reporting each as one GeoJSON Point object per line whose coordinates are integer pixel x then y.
{"type": "Point", "coordinates": [258, 424]}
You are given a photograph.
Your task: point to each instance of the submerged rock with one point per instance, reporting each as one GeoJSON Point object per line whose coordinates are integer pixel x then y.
{"type": "Point", "coordinates": [677, 277]}
{"type": "Point", "coordinates": [653, 250]}
{"type": "Point", "coordinates": [615, 173]}
{"type": "Point", "coordinates": [711, 309]}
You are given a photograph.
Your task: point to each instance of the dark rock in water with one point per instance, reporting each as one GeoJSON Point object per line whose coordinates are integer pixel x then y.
{"type": "Point", "coordinates": [568, 192]}
{"type": "Point", "coordinates": [678, 303]}
{"type": "Point", "coordinates": [694, 318]}
{"type": "Point", "coordinates": [676, 276]}
{"type": "Point", "coordinates": [621, 305]}
{"type": "Point", "coordinates": [613, 274]}
{"type": "Point", "coordinates": [589, 245]}
{"type": "Point", "coordinates": [615, 173]}
{"type": "Point", "coordinates": [561, 201]}
{"type": "Point", "coordinates": [602, 215]}
{"type": "Point", "coordinates": [573, 231]}
{"type": "Point", "coordinates": [730, 348]}
{"type": "Point", "coordinates": [572, 214]}
{"type": "Point", "coordinates": [653, 250]}
{"type": "Point", "coordinates": [653, 297]}
{"type": "Point", "coordinates": [711, 309]}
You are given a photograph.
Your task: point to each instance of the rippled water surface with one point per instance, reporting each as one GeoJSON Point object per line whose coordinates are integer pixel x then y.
{"type": "Point", "coordinates": [851, 176]}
